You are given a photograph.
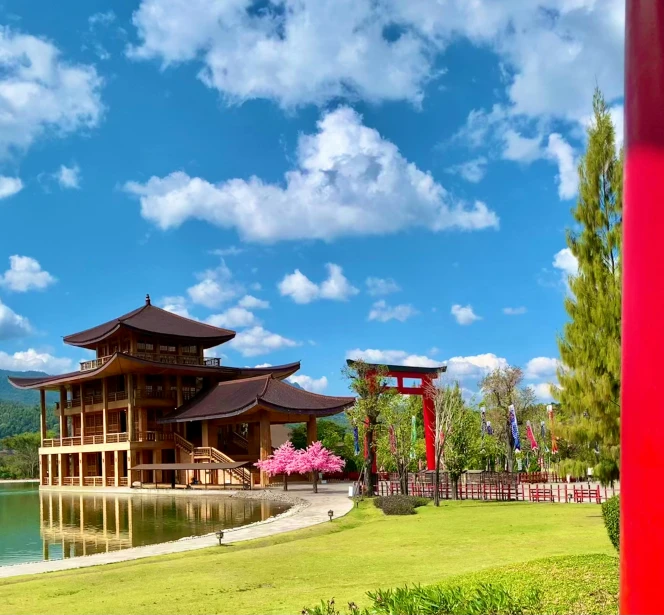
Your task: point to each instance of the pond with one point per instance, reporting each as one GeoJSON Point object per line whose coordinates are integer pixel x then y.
{"type": "Point", "coordinates": [43, 525]}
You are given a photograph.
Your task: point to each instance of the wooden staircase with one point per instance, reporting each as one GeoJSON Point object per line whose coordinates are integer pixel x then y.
{"type": "Point", "coordinates": [209, 454]}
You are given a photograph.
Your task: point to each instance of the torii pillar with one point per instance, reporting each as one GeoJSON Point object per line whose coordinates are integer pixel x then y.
{"type": "Point", "coordinates": [642, 500]}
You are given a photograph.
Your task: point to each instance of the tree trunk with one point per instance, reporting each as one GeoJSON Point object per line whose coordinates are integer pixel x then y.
{"type": "Point", "coordinates": [285, 482]}
{"type": "Point", "coordinates": [455, 488]}
{"type": "Point", "coordinates": [436, 485]}
{"type": "Point", "coordinates": [369, 478]}
{"type": "Point", "coordinates": [315, 482]}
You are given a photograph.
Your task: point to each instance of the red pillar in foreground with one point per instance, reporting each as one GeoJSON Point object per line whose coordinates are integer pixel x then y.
{"type": "Point", "coordinates": [429, 422]}
{"type": "Point", "coordinates": [642, 499]}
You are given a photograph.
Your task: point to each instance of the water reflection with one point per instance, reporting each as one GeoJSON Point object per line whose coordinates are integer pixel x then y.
{"type": "Point", "coordinates": [82, 524]}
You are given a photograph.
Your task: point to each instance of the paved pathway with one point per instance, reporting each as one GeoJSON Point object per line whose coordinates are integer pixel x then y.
{"type": "Point", "coordinates": [312, 512]}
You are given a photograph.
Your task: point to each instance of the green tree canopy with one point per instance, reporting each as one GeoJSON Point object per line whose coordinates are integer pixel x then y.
{"type": "Point", "coordinates": [590, 343]}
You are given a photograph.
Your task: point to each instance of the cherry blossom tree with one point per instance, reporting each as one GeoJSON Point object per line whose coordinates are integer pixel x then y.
{"type": "Point", "coordinates": [282, 461]}
{"type": "Point", "coordinates": [316, 458]}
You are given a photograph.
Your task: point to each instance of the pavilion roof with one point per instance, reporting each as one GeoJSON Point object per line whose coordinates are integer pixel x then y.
{"type": "Point", "coordinates": [153, 320]}
{"type": "Point", "coordinates": [232, 398]}
{"type": "Point", "coordinates": [121, 363]}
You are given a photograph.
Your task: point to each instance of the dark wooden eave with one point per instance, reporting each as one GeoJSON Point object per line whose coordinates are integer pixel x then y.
{"type": "Point", "coordinates": [233, 398]}
{"type": "Point", "coordinates": [153, 320]}
{"type": "Point", "coordinates": [121, 363]}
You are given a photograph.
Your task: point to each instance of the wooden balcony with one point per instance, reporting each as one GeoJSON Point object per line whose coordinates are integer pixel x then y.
{"type": "Point", "coordinates": [171, 359]}
{"type": "Point", "coordinates": [111, 438]}
{"type": "Point", "coordinates": [169, 395]}
{"type": "Point", "coordinates": [155, 436]}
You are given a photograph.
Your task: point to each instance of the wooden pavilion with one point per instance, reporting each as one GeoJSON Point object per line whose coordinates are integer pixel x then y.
{"type": "Point", "coordinates": [151, 397]}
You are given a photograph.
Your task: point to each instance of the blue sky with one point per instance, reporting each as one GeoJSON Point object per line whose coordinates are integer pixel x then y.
{"type": "Point", "coordinates": [330, 178]}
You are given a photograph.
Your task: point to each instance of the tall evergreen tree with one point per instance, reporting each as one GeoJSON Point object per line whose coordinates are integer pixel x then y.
{"type": "Point", "coordinates": [590, 343]}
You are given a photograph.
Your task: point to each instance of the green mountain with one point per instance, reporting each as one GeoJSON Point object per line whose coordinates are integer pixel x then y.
{"type": "Point", "coordinates": [19, 410]}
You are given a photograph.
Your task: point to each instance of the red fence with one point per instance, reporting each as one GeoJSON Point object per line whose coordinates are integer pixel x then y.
{"type": "Point", "coordinates": [507, 491]}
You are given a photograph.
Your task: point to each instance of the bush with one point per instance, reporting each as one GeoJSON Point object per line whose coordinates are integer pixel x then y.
{"type": "Point", "coordinates": [436, 600]}
{"type": "Point", "coordinates": [398, 506]}
{"type": "Point", "coordinates": [611, 514]}
{"type": "Point", "coordinates": [407, 500]}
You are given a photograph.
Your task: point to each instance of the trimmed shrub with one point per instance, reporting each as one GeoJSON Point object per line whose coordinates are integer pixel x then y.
{"type": "Point", "coordinates": [398, 506]}
{"type": "Point", "coordinates": [611, 514]}
{"type": "Point", "coordinates": [411, 500]}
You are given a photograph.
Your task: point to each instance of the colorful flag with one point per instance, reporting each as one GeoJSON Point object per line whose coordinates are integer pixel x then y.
{"type": "Point", "coordinates": [531, 436]}
{"type": "Point", "coordinates": [356, 440]}
{"type": "Point", "coordinates": [515, 429]}
{"type": "Point", "coordinates": [554, 445]}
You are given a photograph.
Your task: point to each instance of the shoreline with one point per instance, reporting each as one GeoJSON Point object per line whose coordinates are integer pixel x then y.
{"type": "Point", "coordinates": [18, 480]}
{"type": "Point", "coordinates": [307, 509]}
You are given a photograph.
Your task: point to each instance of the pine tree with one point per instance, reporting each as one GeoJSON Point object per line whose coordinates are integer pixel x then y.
{"type": "Point", "coordinates": [590, 343]}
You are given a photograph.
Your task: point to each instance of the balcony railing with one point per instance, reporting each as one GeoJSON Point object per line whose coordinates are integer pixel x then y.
{"type": "Point", "coordinates": [155, 436]}
{"type": "Point", "coordinates": [111, 438]}
{"type": "Point", "coordinates": [117, 395]}
{"type": "Point", "coordinates": [171, 359]}
{"type": "Point", "coordinates": [94, 363]}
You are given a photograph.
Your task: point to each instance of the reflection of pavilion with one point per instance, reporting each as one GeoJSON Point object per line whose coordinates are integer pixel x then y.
{"type": "Point", "coordinates": [83, 524]}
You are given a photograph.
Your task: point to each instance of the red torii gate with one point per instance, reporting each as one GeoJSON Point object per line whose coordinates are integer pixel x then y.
{"type": "Point", "coordinates": [425, 375]}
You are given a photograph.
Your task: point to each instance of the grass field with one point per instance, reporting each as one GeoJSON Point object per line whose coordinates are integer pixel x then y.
{"type": "Point", "coordinates": [345, 558]}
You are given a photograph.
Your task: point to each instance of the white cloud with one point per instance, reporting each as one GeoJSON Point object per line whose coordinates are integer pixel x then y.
{"type": "Point", "coordinates": [381, 286]}
{"type": "Point", "coordinates": [383, 312]}
{"type": "Point", "coordinates": [12, 325]}
{"type": "Point", "coordinates": [301, 289]}
{"type": "Point", "coordinates": [176, 305]}
{"type": "Point", "coordinates": [253, 303]}
{"type": "Point", "coordinates": [215, 287]}
{"type": "Point", "coordinates": [568, 179]}
{"type": "Point", "coordinates": [566, 262]}
{"type": "Point", "coordinates": [230, 251]}
{"type": "Point", "coordinates": [315, 385]}
{"type": "Point", "coordinates": [464, 314]}
{"type": "Point", "coordinates": [391, 357]}
{"type": "Point", "coordinates": [514, 311]}
{"type": "Point", "coordinates": [257, 341]}
{"type": "Point", "coordinates": [25, 273]}
{"type": "Point", "coordinates": [472, 170]}
{"type": "Point", "coordinates": [68, 177]}
{"type": "Point", "coordinates": [233, 317]}
{"type": "Point", "coordinates": [520, 149]}
{"type": "Point", "coordinates": [263, 365]}
{"type": "Point", "coordinates": [9, 186]}
{"type": "Point", "coordinates": [101, 19]}
{"type": "Point", "coordinates": [312, 51]}
{"type": "Point", "coordinates": [31, 360]}
{"type": "Point", "coordinates": [304, 52]}
{"type": "Point", "coordinates": [42, 93]}
{"type": "Point", "coordinates": [472, 368]}
{"type": "Point", "coordinates": [541, 367]}
{"type": "Point", "coordinates": [543, 391]}
{"type": "Point", "coordinates": [348, 181]}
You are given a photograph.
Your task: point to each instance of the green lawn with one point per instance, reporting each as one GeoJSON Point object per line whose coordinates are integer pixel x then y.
{"type": "Point", "coordinates": [342, 559]}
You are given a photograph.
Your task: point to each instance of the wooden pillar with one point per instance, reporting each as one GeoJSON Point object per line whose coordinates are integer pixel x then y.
{"type": "Point", "coordinates": [42, 415]}
{"type": "Point", "coordinates": [61, 468]}
{"type": "Point", "coordinates": [205, 433]}
{"type": "Point", "coordinates": [116, 464]}
{"type": "Point", "coordinates": [131, 462]}
{"type": "Point", "coordinates": [41, 469]}
{"type": "Point", "coordinates": [50, 470]}
{"type": "Point", "coordinates": [104, 399]}
{"type": "Point", "coordinates": [80, 469]}
{"type": "Point", "coordinates": [178, 384]}
{"type": "Point", "coordinates": [63, 417]}
{"type": "Point", "coordinates": [82, 415]}
{"type": "Point", "coordinates": [266, 443]}
{"type": "Point", "coordinates": [156, 458]}
{"type": "Point", "coordinates": [103, 468]}
{"type": "Point", "coordinates": [312, 430]}
{"type": "Point", "coordinates": [129, 385]}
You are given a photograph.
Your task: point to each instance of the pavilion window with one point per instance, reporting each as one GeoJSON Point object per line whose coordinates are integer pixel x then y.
{"type": "Point", "coordinates": [116, 384]}
{"type": "Point", "coordinates": [113, 425]}
{"type": "Point", "coordinates": [191, 350]}
{"type": "Point", "coordinates": [76, 424]}
{"type": "Point", "coordinates": [94, 423]}
{"type": "Point", "coordinates": [167, 349]}
{"type": "Point", "coordinates": [152, 419]}
{"type": "Point", "coordinates": [144, 346]}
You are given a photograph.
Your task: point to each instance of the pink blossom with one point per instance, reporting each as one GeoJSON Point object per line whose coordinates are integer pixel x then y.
{"type": "Point", "coordinates": [316, 458]}
{"type": "Point", "coordinates": [280, 462]}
